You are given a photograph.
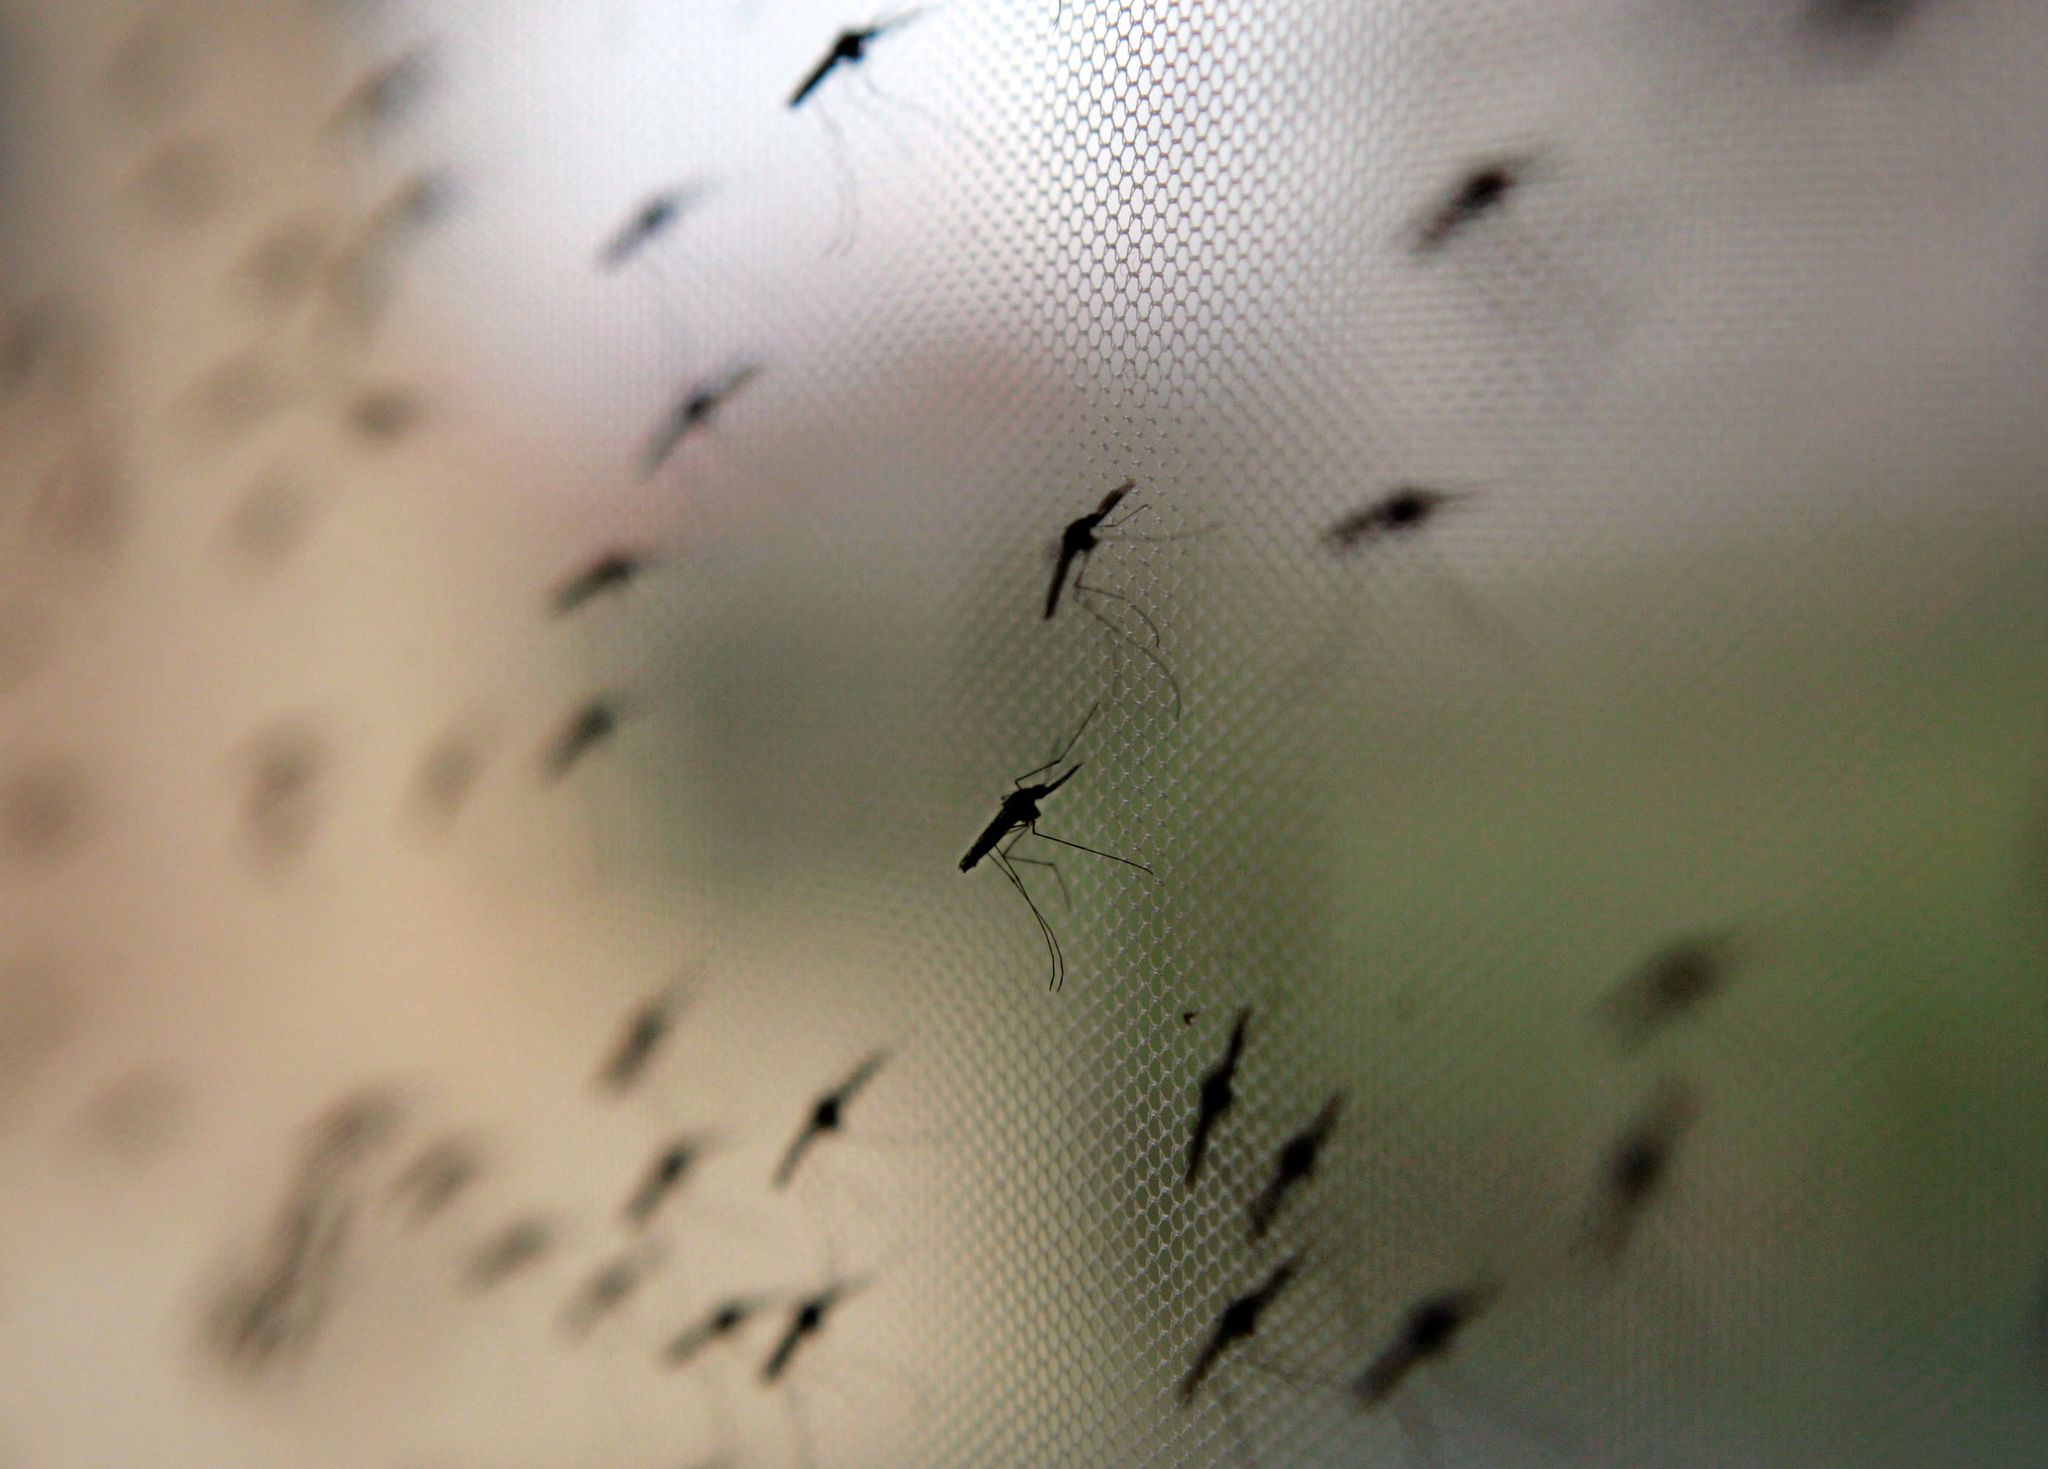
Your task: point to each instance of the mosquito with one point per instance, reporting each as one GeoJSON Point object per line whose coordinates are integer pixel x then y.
{"type": "Point", "coordinates": [610, 572]}
{"type": "Point", "coordinates": [1484, 188]}
{"type": "Point", "coordinates": [848, 50]}
{"type": "Point", "coordinates": [607, 1290]}
{"type": "Point", "coordinates": [1238, 1323]}
{"type": "Point", "coordinates": [1080, 540]}
{"type": "Point", "coordinates": [724, 1320]}
{"type": "Point", "coordinates": [805, 1321]}
{"type": "Point", "coordinates": [828, 1115]}
{"type": "Point", "coordinates": [655, 215]}
{"type": "Point", "coordinates": [1403, 509]}
{"type": "Point", "coordinates": [1216, 1096]}
{"type": "Point", "coordinates": [386, 93]}
{"type": "Point", "coordinates": [697, 410]}
{"type": "Point", "coordinates": [646, 1028]}
{"type": "Point", "coordinates": [433, 1179]}
{"type": "Point", "coordinates": [1638, 1165]}
{"type": "Point", "coordinates": [1428, 1333]}
{"type": "Point", "coordinates": [1674, 982]}
{"type": "Point", "coordinates": [1295, 1165]}
{"type": "Point", "coordinates": [516, 1246]}
{"type": "Point", "coordinates": [1017, 817]}
{"type": "Point", "coordinates": [669, 1168]}
{"type": "Point", "coordinates": [590, 726]}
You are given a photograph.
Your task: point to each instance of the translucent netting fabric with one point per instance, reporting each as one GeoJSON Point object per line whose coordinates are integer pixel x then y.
{"type": "Point", "coordinates": [1726, 627]}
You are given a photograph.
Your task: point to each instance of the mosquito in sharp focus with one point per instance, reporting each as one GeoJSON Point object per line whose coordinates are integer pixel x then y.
{"type": "Point", "coordinates": [1018, 817]}
{"type": "Point", "coordinates": [1079, 541]}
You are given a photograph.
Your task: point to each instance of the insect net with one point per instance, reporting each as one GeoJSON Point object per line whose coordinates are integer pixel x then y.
{"type": "Point", "coordinates": [1726, 627]}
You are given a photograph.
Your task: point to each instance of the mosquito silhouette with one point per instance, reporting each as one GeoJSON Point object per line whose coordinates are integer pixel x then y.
{"type": "Point", "coordinates": [1295, 1165]}
{"type": "Point", "coordinates": [828, 1115]}
{"type": "Point", "coordinates": [1017, 817]}
{"type": "Point", "coordinates": [1404, 508]}
{"type": "Point", "coordinates": [692, 415]}
{"type": "Point", "coordinates": [1428, 1332]}
{"type": "Point", "coordinates": [1238, 1323]}
{"type": "Point", "coordinates": [1217, 1096]}
{"type": "Point", "coordinates": [1080, 540]}
{"type": "Point", "coordinates": [655, 215]}
{"type": "Point", "coordinates": [848, 50]}
{"type": "Point", "coordinates": [1482, 189]}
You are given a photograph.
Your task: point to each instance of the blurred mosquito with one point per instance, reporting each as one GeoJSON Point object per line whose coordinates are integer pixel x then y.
{"type": "Point", "coordinates": [1216, 1096]}
{"type": "Point", "coordinates": [1080, 540]}
{"type": "Point", "coordinates": [607, 1289]}
{"type": "Point", "coordinates": [431, 1181]}
{"type": "Point", "coordinates": [387, 93]}
{"type": "Point", "coordinates": [656, 215]}
{"type": "Point", "coordinates": [1018, 817]}
{"type": "Point", "coordinates": [613, 571]}
{"type": "Point", "coordinates": [645, 1030]}
{"type": "Point", "coordinates": [722, 1322]}
{"type": "Point", "coordinates": [513, 1248]}
{"type": "Point", "coordinates": [696, 412]}
{"type": "Point", "coordinates": [1669, 986]}
{"type": "Point", "coordinates": [1401, 514]}
{"type": "Point", "coordinates": [827, 1115]}
{"type": "Point", "coordinates": [662, 1177]}
{"type": "Point", "coordinates": [1430, 1330]}
{"type": "Point", "coordinates": [1295, 1165]}
{"type": "Point", "coordinates": [1238, 1323]}
{"type": "Point", "coordinates": [590, 726]}
{"type": "Point", "coordinates": [1637, 1167]}
{"type": "Point", "coordinates": [1483, 188]}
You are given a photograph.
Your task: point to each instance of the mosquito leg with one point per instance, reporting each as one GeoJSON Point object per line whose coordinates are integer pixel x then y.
{"type": "Point", "coordinates": [1081, 585]}
{"type": "Point", "coordinates": [847, 227]}
{"type": "Point", "coordinates": [1052, 943]}
{"type": "Point", "coordinates": [1062, 755]}
{"type": "Point", "coordinates": [1093, 851]}
{"type": "Point", "coordinates": [1053, 867]}
{"type": "Point", "coordinates": [1151, 654]}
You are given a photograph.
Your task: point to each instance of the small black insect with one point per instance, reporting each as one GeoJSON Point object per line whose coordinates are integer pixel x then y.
{"type": "Point", "coordinates": [608, 573]}
{"type": "Point", "coordinates": [646, 1028]}
{"type": "Point", "coordinates": [590, 726]}
{"type": "Point", "coordinates": [1638, 1165]}
{"type": "Point", "coordinates": [670, 1166]}
{"type": "Point", "coordinates": [1080, 540]}
{"type": "Point", "coordinates": [1238, 1323]}
{"type": "Point", "coordinates": [652, 218]}
{"type": "Point", "coordinates": [725, 1320]}
{"type": "Point", "coordinates": [805, 1321]}
{"type": "Point", "coordinates": [1485, 187]}
{"type": "Point", "coordinates": [1432, 1327]}
{"type": "Point", "coordinates": [1216, 1096]}
{"type": "Point", "coordinates": [516, 1246]}
{"type": "Point", "coordinates": [1296, 1164]}
{"type": "Point", "coordinates": [827, 1115]}
{"type": "Point", "coordinates": [606, 1290]}
{"type": "Point", "coordinates": [387, 93]}
{"type": "Point", "coordinates": [1403, 509]}
{"type": "Point", "coordinates": [848, 49]}
{"type": "Point", "coordinates": [431, 1181]}
{"type": "Point", "coordinates": [1018, 815]}
{"type": "Point", "coordinates": [698, 408]}
{"type": "Point", "coordinates": [1669, 986]}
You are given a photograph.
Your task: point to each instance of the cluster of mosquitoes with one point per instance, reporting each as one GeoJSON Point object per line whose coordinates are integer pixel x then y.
{"type": "Point", "coordinates": [349, 1161]}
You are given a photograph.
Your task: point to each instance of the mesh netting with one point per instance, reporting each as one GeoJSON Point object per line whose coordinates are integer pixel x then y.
{"type": "Point", "coordinates": [527, 563]}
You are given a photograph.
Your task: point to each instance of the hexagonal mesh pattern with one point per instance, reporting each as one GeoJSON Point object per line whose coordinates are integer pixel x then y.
{"type": "Point", "coordinates": [1583, 465]}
